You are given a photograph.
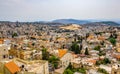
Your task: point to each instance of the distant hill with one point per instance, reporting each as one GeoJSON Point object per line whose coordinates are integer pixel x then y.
{"type": "Point", "coordinates": [71, 21]}
{"type": "Point", "coordinates": [111, 23]}
{"type": "Point", "coordinates": [94, 22]}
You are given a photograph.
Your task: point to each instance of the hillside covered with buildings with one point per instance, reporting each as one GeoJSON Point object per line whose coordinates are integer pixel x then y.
{"type": "Point", "coordinates": [55, 48]}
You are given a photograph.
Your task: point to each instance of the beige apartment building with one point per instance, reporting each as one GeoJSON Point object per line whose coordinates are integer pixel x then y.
{"type": "Point", "coordinates": [65, 58]}
{"type": "Point", "coordinates": [18, 66]}
{"type": "Point", "coordinates": [4, 51]}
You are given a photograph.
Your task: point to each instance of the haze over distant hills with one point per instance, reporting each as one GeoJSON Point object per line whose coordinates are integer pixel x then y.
{"type": "Point", "coordinates": [68, 21]}
{"type": "Point", "coordinates": [75, 21]}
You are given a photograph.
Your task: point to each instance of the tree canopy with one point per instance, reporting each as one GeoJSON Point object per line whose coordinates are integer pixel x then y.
{"type": "Point", "coordinates": [112, 40]}
{"type": "Point", "coordinates": [45, 54]}
{"type": "Point", "coordinates": [86, 51]}
{"type": "Point", "coordinates": [54, 61]}
{"type": "Point", "coordinates": [75, 48]}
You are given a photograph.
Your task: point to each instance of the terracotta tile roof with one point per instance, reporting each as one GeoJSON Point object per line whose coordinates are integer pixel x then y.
{"type": "Point", "coordinates": [92, 61]}
{"type": "Point", "coordinates": [101, 38]}
{"type": "Point", "coordinates": [90, 37]}
{"type": "Point", "coordinates": [1, 41]}
{"type": "Point", "coordinates": [62, 52]}
{"type": "Point", "coordinates": [117, 56]}
{"type": "Point", "coordinates": [12, 67]}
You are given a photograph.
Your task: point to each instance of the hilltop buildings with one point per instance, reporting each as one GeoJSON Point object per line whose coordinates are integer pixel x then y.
{"type": "Point", "coordinates": [44, 49]}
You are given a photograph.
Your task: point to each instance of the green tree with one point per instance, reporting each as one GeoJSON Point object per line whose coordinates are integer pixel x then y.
{"type": "Point", "coordinates": [75, 48]}
{"type": "Point", "coordinates": [71, 70]}
{"type": "Point", "coordinates": [45, 54]}
{"type": "Point", "coordinates": [80, 48]}
{"type": "Point", "coordinates": [113, 41]}
{"type": "Point", "coordinates": [68, 71]}
{"type": "Point", "coordinates": [70, 66]}
{"type": "Point", "coordinates": [54, 61]}
{"type": "Point", "coordinates": [101, 53]}
{"type": "Point", "coordinates": [98, 62]}
{"type": "Point", "coordinates": [106, 61]}
{"type": "Point", "coordinates": [97, 48]}
{"type": "Point", "coordinates": [14, 35]}
{"type": "Point", "coordinates": [87, 35]}
{"type": "Point", "coordinates": [101, 70]}
{"type": "Point", "coordinates": [86, 51]}
{"type": "Point", "coordinates": [82, 70]}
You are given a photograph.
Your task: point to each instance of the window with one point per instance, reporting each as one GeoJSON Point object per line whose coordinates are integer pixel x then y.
{"type": "Point", "coordinates": [4, 56]}
{"type": "Point", "coordinates": [4, 49]}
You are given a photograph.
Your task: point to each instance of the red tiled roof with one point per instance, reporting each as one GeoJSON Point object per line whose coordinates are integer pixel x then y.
{"type": "Point", "coordinates": [62, 52]}
{"type": "Point", "coordinates": [12, 67]}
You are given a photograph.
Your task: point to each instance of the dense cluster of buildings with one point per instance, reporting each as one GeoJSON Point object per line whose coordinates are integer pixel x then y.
{"type": "Point", "coordinates": [21, 49]}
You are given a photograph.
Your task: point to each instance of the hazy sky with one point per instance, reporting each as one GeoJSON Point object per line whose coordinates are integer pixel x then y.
{"type": "Point", "coordinates": [35, 10]}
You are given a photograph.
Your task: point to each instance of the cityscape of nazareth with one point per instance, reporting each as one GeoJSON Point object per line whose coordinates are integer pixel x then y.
{"type": "Point", "coordinates": [57, 48]}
